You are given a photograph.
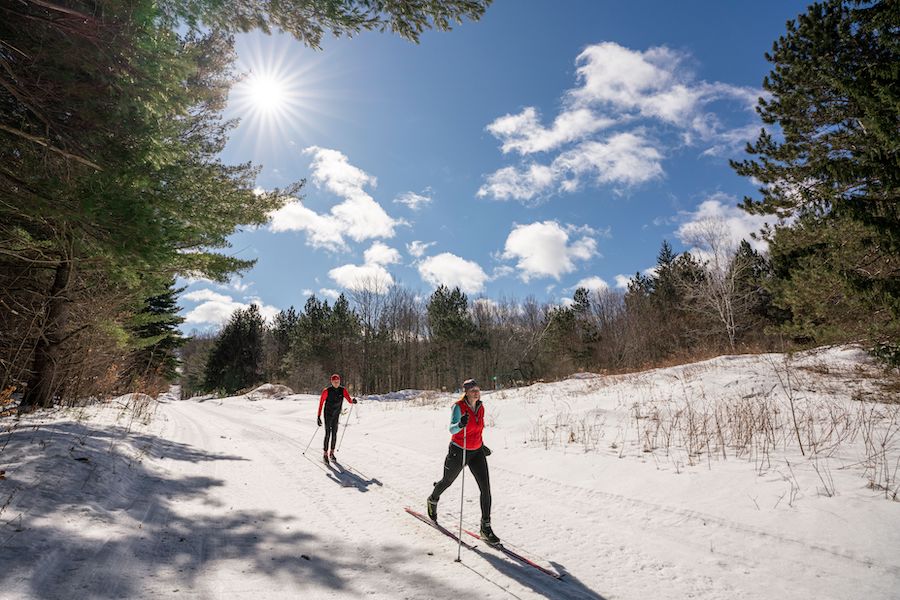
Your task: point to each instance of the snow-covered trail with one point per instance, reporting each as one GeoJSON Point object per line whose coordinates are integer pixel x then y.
{"type": "Point", "coordinates": [214, 499]}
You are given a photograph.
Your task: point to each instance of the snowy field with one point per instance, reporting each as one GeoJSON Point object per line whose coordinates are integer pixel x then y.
{"type": "Point", "coordinates": [757, 477]}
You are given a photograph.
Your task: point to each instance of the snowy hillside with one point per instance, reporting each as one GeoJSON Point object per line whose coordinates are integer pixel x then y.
{"type": "Point", "coordinates": [738, 477]}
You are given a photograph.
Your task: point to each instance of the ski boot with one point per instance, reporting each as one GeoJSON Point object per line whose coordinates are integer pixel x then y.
{"type": "Point", "coordinates": [487, 534]}
{"type": "Point", "coordinates": [432, 509]}
{"type": "Point", "coordinates": [325, 457]}
{"type": "Point", "coordinates": [331, 455]}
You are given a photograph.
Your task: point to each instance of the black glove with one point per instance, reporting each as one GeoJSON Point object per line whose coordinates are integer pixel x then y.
{"type": "Point", "coordinates": [354, 401]}
{"type": "Point", "coordinates": [486, 450]}
{"type": "Point", "coordinates": [319, 421]}
{"type": "Point", "coordinates": [463, 420]}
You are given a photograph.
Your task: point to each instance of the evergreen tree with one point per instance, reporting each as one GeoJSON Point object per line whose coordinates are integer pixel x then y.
{"type": "Point", "coordinates": [236, 359]}
{"type": "Point", "coordinates": [452, 330]}
{"type": "Point", "coordinates": [156, 339]}
{"type": "Point", "coordinates": [344, 328]}
{"type": "Point", "coordinates": [834, 168]}
{"type": "Point", "coordinates": [309, 20]}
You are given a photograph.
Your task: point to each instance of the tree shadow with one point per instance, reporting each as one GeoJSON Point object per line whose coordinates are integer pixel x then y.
{"type": "Point", "coordinates": [88, 519]}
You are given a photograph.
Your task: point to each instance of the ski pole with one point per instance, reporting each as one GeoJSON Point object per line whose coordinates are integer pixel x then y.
{"type": "Point", "coordinates": [310, 440]}
{"type": "Point", "coordinates": [350, 412]}
{"type": "Point", "coordinates": [462, 493]}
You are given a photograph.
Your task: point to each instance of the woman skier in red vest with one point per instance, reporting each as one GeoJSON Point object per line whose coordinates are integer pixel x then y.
{"type": "Point", "coordinates": [332, 398]}
{"type": "Point", "coordinates": [466, 425]}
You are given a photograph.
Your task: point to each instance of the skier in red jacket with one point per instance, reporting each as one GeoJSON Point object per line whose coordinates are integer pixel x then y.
{"type": "Point", "coordinates": [466, 425]}
{"type": "Point", "coordinates": [332, 398]}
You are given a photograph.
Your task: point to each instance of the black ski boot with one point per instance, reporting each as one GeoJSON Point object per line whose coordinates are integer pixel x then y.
{"type": "Point", "coordinates": [487, 534]}
{"type": "Point", "coordinates": [432, 509]}
{"type": "Point", "coordinates": [325, 458]}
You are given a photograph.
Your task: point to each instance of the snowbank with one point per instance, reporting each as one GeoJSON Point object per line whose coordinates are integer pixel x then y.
{"type": "Point", "coordinates": [270, 391]}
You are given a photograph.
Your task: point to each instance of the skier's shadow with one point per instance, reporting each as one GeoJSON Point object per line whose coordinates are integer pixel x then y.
{"type": "Point", "coordinates": [568, 588]}
{"type": "Point", "coordinates": [348, 478]}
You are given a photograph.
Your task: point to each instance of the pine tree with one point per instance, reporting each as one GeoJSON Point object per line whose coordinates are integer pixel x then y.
{"type": "Point", "coordinates": [834, 168]}
{"type": "Point", "coordinates": [452, 330]}
{"type": "Point", "coordinates": [156, 339]}
{"type": "Point", "coordinates": [235, 362]}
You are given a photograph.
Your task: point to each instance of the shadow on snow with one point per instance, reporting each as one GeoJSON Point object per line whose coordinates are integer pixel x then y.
{"type": "Point", "coordinates": [58, 538]}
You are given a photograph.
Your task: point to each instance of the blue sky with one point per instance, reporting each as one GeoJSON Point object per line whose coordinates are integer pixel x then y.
{"type": "Point", "coordinates": [549, 145]}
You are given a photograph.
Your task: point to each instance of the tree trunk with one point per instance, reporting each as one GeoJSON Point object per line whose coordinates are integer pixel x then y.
{"type": "Point", "coordinates": [43, 382]}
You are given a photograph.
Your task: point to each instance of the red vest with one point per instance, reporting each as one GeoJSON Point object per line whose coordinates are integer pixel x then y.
{"type": "Point", "coordinates": [473, 428]}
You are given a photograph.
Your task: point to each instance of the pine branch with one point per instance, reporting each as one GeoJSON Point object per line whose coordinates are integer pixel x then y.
{"type": "Point", "coordinates": [46, 143]}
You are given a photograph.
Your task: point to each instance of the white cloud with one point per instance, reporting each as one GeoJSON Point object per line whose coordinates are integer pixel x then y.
{"type": "Point", "coordinates": [510, 183]}
{"type": "Point", "coordinates": [626, 158]}
{"type": "Point", "coordinates": [307, 292]}
{"type": "Point", "coordinates": [417, 249]}
{"type": "Point", "coordinates": [720, 210]}
{"type": "Point", "coordinates": [372, 277]}
{"type": "Point", "coordinates": [358, 216]}
{"type": "Point", "coordinates": [331, 169]}
{"type": "Point", "coordinates": [216, 309]}
{"type": "Point", "coordinates": [381, 254]}
{"type": "Point", "coordinates": [544, 249]}
{"type": "Point", "coordinates": [322, 231]}
{"type": "Point", "coordinates": [592, 284]}
{"type": "Point", "coordinates": [652, 84]}
{"type": "Point", "coordinates": [413, 200]}
{"type": "Point", "coordinates": [452, 271]}
{"type": "Point", "coordinates": [206, 296]}
{"type": "Point", "coordinates": [651, 92]}
{"type": "Point", "coordinates": [622, 281]}
{"type": "Point", "coordinates": [329, 293]}
{"type": "Point", "coordinates": [523, 133]}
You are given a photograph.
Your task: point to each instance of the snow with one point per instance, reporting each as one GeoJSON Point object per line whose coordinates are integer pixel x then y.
{"type": "Point", "coordinates": [273, 391]}
{"type": "Point", "coordinates": [619, 482]}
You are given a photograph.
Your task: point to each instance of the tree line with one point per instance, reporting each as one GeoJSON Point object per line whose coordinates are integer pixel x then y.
{"type": "Point", "coordinates": [393, 338]}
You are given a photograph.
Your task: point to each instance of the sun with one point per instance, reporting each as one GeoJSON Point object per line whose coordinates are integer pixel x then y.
{"type": "Point", "coordinates": [283, 95]}
{"type": "Point", "coordinates": [266, 93]}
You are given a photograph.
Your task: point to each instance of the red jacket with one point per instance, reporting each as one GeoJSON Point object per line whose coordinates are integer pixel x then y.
{"type": "Point", "coordinates": [474, 426]}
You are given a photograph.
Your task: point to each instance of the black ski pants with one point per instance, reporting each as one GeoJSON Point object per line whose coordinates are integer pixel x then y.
{"type": "Point", "coordinates": [331, 426]}
{"type": "Point", "coordinates": [477, 463]}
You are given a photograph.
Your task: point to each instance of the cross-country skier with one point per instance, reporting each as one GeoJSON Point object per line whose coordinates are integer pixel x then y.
{"type": "Point", "coordinates": [332, 398]}
{"type": "Point", "coordinates": [466, 425]}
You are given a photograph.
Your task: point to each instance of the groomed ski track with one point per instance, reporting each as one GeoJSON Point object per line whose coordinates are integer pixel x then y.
{"type": "Point", "coordinates": [228, 507]}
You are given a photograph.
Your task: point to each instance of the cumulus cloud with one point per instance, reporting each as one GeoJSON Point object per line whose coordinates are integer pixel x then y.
{"type": "Point", "coordinates": [329, 293]}
{"type": "Point", "coordinates": [623, 160]}
{"type": "Point", "coordinates": [215, 308]}
{"type": "Point", "coordinates": [622, 281]}
{"type": "Point", "coordinates": [628, 108]}
{"type": "Point", "coordinates": [358, 216]}
{"type": "Point", "coordinates": [653, 84]}
{"type": "Point", "coordinates": [547, 249]}
{"type": "Point", "coordinates": [453, 271]}
{"type": "Point", "coordinates": [511, 183]}
{"type": "Point", "coordinates": [524, 133]}
{"type": "Point", "coordinates": [371, 275]}
{"type": "Point", "coordinates": [418, 248]}
{"type": "Point", "coordinates": [380, 253]}
{"type": "Point", "coordinates": [592, 284]}
{"type": "Point", "coordinates": [413, 200]}
{"type": "Point", "coordinates": [719, 217]}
